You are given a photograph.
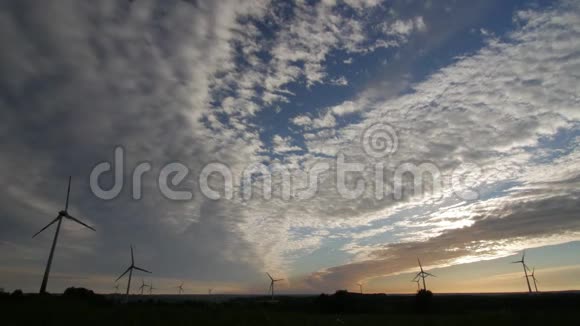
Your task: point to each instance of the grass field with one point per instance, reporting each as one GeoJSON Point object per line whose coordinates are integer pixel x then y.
{"type": "Point", "coordinates": [348, 309]}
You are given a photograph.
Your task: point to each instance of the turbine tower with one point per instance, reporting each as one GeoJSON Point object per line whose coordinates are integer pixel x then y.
{"type": "Point", "coordinates": [272, 282]}
{"type": "Point", "coordinates": [62, 214]}
{"type": "Point", "coordinates": [116, 288]}
{"type": "Point", "coordinates": [360, 286]}
{"type": "Point", "coordinates": [525, 267]}
{"type": "Point", "coordinates": [180, 287]}
{"type": "Point", "coordinates": [534, 279]}
{"type": "Point", "coordinates": [422, 275]}
{"type": "Point", "coordinates": [151, 288]}
{"type": "Point", "coordinates": [130, 271]}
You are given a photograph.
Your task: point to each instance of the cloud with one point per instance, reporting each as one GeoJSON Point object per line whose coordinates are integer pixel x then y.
{"type": "Point", "coordinates": [282, 145]}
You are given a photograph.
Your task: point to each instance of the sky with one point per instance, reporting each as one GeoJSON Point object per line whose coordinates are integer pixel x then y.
{"type": "Point", "coordinates": [328, 143]}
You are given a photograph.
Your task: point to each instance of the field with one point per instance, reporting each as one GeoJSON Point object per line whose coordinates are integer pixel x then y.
{"type": "Point", "coordinates": [339, 309]}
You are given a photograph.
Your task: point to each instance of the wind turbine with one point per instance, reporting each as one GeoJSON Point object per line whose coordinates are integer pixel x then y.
{"type": "Point", "coordinates": [418, 286]}
{"type": "Point", "coordinates": [62, 214]}
{"type": "Point", "coordinates": [523, 262]}
{"type": "Point", "coordinates": [272, 282]}
{"type": "Point", "coordinates": [116, 288]}
{"type": "Point", "coordinates": [534, 279]}
{"type": "Point", "coordinates": [143, 286]}
{"type": "Point", "coordinates": [130, 271]}
{"type": "Point", "coordinates": [180, 287]}
{"type": "Point", "coordinates": [151, 288]}
{"type": "Point", "coordinates": [209, 291]}
{"type": "Point", "coordinates": [360, 286]}
{"type": "Point", "coordinates": [422, 274]}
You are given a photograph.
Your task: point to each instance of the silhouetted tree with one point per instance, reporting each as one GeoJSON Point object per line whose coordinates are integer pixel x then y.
{"type": "Point", "coordinates": [17, 293]}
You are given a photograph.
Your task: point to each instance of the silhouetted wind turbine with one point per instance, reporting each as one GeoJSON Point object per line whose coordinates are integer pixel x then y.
{"type": "Point", "coordinates": [272, 281]}
{"type": "Point", "coordinates": [62, 214]}
{"type": "Point", "coordinates": [418, 282]}
{"type": "Point", "coordinates": [143, 286]}
{"type": "Point", "coordinates": [180, 287]}
{"type": "Point", "coordinates": [209, 291]}
{"type": "Point", "coordinates": [360, 286]}
{"type": "Point", "coordinates": [422, 274]}
{"type": "Point", "coordinates": [523, 262]}
{"type": "Point", "coordinates": [130, 271]}
{"type": "Point", "coordinates": [534, 279]}
{"type": "Point", "coordinates": [116, 288]}
{"type": "Point", "coordinates": [151, 288]}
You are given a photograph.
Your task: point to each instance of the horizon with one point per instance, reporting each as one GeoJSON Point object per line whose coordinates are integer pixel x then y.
{"type": "Point", "coordinates": [328, 143]}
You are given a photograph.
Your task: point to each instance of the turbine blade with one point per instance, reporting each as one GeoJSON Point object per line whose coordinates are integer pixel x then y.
{"type": "Point", "coordinates": [132, 258]}
{"type": "Point", "coordinates": [270, 276]}
{"type": "Point", "coordinates": [141, 269]}
{"type": "Point", "coordinates": [47, 226]}
{"type": "Point", "coordinates": [79, 222]}
{"type": "Point", "coordinates": [67, 194]}
{"type": "Point", "coordinates": [127, 271]}
{"type": "Point", "coordinates": [429, 274]}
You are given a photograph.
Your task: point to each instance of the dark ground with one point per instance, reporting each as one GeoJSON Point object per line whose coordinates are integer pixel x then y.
{"type": "Point", "coordinates": [339, 309]}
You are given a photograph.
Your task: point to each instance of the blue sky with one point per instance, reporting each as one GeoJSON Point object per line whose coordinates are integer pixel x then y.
{"type": "Point", "coordinates": [482, 94]}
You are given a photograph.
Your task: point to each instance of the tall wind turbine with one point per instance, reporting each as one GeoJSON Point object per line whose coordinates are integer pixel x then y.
{"type": "Point", "coordinates": [272, 282]}
{"type": "Point", "coordinates": [525, 267]}
{"type": "Point", "coordinates": [130, 271]}
{"type": "Point", "coordinates": [422, 275]}
{"type": "Point", "coordinates": [62, 214]}
{"type": "Point", "coordinates": [534, 279]}
{"type": "Point", "coordinates": [180, 287]}
{"type": "Point", "coordinates": [360, 286]}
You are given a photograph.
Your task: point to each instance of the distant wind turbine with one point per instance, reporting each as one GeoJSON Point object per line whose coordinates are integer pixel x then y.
{"type": "Point", "coordinates": [143, 286]}
{"type": "Point", "coordinates": [130, 271]}
{"type": "Point", "coordinates": [116, 288]}
{"type": "Point", "coordinates": [418, 284]}
{"type": "Point", "coordinates": [151, 288]}
{"type": "Point", "coordinates": [422, 275]}
{"type": "Point", "coordinates": [209, 291]}
{"type": "Point", "coordinates": [534, 279]}
{"type": "Point", "coordinates": [272, 282]}
{"type": "Point", "coordinates": [525, 267]}
{"type": "Point", "coordinates": [360, 286]}
{"type": "Point", "coordinates": [180, 287]}
{"type": "Point", "coordinates": [62, 214]}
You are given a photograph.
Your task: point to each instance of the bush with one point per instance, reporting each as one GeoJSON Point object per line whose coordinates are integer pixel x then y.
{"type": "Point", "coordinates": [78, 293]}
{"type": "Point", "coordinates": [424, 300]}
{"type": "Point", "coordinates": [17, 293]}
